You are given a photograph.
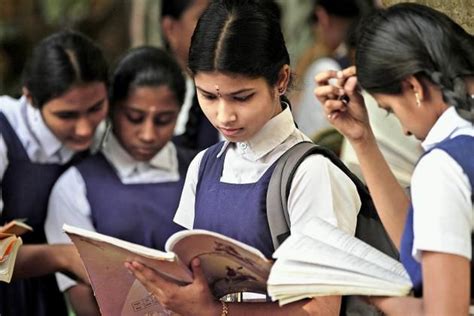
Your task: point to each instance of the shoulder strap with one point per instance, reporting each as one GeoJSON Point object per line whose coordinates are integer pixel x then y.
{"type": "Point", "coordinates": [369, 227]}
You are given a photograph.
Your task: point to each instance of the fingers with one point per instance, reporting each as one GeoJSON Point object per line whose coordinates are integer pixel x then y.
{"type": "Point", "coordinates": [322, 79]}
{"type": "Point", "coordinates": [151, 280]}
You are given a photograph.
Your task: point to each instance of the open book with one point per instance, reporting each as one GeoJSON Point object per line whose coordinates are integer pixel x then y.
{"type": "Point", "coordinates": [229, 265]}
{"type": "Point", "coordinates": [16, 227]}
{"type": "Point", "coordinates": [320, 260]}
{"type": "Point", "coordinates": [9, 245]}
{"type": "Point", "coordinates": [324, 260]}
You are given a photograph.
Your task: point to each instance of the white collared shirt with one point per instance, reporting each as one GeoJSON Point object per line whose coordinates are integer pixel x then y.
{"type": "Point", "coordinates": [68, 200]}
{"type": "Point", "coordinates": [441, 194]}
{"type": "Point", "coordinates": [37, 139]}
{"type": "Point", "coordinates": [319, 188]}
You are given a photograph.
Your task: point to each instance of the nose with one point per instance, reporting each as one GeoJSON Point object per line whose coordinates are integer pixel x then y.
{"type": "Point", "coordinates": [147, 131]}
{"type": "Point", "coordinates": [225, 113]}
{"type": "Point", "coordinates": [84, 128]}
{"type": "Point", "coordinates": [407, 132]}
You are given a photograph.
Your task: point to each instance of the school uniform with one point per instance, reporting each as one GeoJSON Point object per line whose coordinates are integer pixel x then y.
{"type": "Point", "coordinates": [225, 188]}
{"type": "Point", "coordinates": [114, 194]}
{"type": "Point", "coordinates": [440, 217]}
{"type": "Point", "coordinates": [31, 159]}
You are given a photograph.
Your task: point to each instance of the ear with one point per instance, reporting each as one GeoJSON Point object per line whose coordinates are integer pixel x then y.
{"type": "Point", "coordinates": [283, 78]}
{"type": "Point", "coordinates": [28, 96]}
{"type": "Point", "coordinates": [415, 85]}
{"type": "Point", "coordinates": [322, 17]}
{"type": "Point", "coordinates": [168, 26]}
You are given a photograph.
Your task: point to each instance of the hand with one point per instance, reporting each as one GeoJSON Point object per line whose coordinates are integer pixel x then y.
{"type": "Point", "coordinates": [191, 299]}
{"type": "Point", "coordinates": [343, 103]}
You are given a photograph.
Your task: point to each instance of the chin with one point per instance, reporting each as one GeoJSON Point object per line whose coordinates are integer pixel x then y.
{"type": "Point", "coordinates": [79, 146]}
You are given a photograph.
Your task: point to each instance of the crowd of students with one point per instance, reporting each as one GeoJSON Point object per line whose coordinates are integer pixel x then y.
{"type": "Point", "coordinates": [99, 152]}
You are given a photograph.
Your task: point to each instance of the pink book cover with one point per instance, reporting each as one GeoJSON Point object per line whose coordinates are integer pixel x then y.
{"type": "Point", "coordinates": [230, 267]}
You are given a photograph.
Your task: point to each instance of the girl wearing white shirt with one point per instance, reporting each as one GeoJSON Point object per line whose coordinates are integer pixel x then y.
{"type": "Point", "coordinates": [131, 188]}
{"type": "Point", "coordinates": [64, 100]}
{"type": "Point", "coordinates": [240, 66]}
{"type": "Point", "coordinates": [429, 85]}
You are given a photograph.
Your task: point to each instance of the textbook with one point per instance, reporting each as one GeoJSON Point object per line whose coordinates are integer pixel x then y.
{"type": "Point", "coordinates": [324, 260]}
{"type": "Point", "coordinates": [319, 260]}
{"type": "Point", "coordinates": [9, 245]}
{"type": "Point", "coordinates": [16, 227]}
{"type": "Point", "coordinates": [229, 265]}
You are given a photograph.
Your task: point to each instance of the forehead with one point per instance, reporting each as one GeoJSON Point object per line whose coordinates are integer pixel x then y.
{"type": "Point", "coordinates": [209, 80]}
{"type": "Point", "coordinates": [152, 97]}
{"type": "Point", "coordinates": [80, 97]}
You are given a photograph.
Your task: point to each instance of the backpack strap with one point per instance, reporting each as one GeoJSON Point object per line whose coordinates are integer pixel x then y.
{"type": "Point", "coordinates": [369, 227]}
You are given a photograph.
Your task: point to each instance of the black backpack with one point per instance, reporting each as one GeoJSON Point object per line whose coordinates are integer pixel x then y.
{"type": "Point", "coordinates": [369, 228]}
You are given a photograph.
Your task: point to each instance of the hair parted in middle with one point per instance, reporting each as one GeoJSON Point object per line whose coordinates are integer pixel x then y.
{"type": "Point", "coordinates": [239, 37]}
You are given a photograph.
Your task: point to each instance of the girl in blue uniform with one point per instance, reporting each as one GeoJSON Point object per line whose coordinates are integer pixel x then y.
{"type": "Point", "coordinates": [419, 65]}
{"type": "Point", "coordinates": [131, 188]}
{"type": "Point", "coordinates": [241, 69]}
{"type": "Point", "coordinates": [64, 100]}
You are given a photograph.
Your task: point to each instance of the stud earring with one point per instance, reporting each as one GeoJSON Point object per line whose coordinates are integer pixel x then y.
{"type": "Point", "coordinates": [418, 100]}
{"type": "Point", "coordinates": [281, 91]}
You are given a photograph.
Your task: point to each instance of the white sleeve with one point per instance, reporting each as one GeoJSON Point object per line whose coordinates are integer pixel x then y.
{"type": "Point", "coordinates": [320, 189]}
{"type": "Point", "coordinates": [185, 213]}
{"type": "Point", "coordinates": [3, 166]}
{"type": "Point", "coordinates": [443, 210]}
{"type": "Point", "coordinates": [67, 204]}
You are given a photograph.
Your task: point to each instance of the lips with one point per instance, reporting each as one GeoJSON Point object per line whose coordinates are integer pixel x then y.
{"type": "Point", "coordinates": [229, 132]}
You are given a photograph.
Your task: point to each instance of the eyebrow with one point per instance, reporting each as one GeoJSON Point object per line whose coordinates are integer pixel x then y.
{"type": "Point", "coordinates": [231, 93]}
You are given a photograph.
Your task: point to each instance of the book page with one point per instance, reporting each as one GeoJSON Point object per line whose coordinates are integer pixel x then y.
{"type": "Point", "coordinates": [324, 260]}
{"type": "Point", "coordinates": [16, 227]}
{"type": "Point", "coordinates": [113, 285]}
{"type": "Point", "coordinates": [9, 246]}
{"type": "Point", "coordinates": [229, 265]}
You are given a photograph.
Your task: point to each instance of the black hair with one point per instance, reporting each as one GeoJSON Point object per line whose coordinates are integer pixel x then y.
{"type": "Point", "coordinates": [143, 67]}
{"type": "Point", "coordinates": [239, 37]}
{"type": "Point", "coordinates": [175, 8]}
{"type": "Point", "coordinates": [411, 39]}
{"type": "Point", "coordinates": [60, 61]}
{"type": "Point", "coordinates": [345, 8]}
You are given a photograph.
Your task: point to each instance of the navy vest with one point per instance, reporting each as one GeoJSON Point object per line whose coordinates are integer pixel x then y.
{"type": "Point", "coordinates": [26, 186]}
{"type": "Point", "coordinates": [461, 149]}
{"type": "Point", "coordinates": [235, 210]}
{"type": "Point", "coordinates": [140, 213]}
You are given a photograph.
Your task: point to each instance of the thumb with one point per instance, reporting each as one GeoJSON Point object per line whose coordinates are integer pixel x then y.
{"type": "Point", "coordinates": [350, 86]}
{"type": "Point", "coordinates": [198, 273]}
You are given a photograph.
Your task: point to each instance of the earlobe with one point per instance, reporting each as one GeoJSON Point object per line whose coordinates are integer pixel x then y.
{"type": "Point", "coordinates": [167, 25]}
{"type": "Point", "coordinates": [417, 87]}
{"type": "Point", "coordinates": [283, 79]}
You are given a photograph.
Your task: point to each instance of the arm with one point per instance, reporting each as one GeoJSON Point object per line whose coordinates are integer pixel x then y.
{"type": "Point", "coordinates": [446, 287]}
{"type": "Point", "coordinates": [3, 167]}
{"type": "Point", "coordinates": [68, 204]}
{"type": "Point", "coordinates": [39, 260]}
{"type": "Point", "coordinates": [196, 298]}
{"type": "Point", "coordinates": [352, 121]}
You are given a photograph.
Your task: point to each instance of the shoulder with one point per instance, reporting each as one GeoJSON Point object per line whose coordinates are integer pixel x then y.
{"type": "Point", "coordinates": [12, 109]}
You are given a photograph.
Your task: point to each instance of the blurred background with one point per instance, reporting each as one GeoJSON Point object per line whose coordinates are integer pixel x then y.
{"type": "Point", "coordinates": [120, 24]}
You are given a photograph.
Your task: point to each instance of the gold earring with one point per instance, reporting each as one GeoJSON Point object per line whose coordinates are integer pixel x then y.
{"type": "Point", "coordinates": [418, 100]}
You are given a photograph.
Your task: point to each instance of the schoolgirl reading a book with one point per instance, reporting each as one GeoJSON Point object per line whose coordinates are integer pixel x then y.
{"type": "Point", "coordinates": [131, 188]}
{"type": "Point", "coordinates": [64, 100]}
{"type": "Point", "coordinates": [241, 69]}
{"type": "Point", "coordinates": [427, 82]}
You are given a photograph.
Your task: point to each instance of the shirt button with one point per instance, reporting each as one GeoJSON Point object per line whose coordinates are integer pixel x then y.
{"type": "Point", "coordinates": [243, 146]}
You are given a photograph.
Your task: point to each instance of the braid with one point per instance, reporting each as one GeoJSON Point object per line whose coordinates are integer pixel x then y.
{"type": "Point", "coordinates": [455, 93]}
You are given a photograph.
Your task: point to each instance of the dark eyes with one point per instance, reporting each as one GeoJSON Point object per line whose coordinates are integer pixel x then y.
{"type": "Point", "coordinates": [235, 98]}
{"type": "Point", "coordinates": [72, 115]}
{"type": "Point", "coordinates": [158, 120]}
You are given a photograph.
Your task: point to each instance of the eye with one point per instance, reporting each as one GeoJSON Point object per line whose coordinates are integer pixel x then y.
{"type": "Point", "coordinates": [208, 96]}
{"type": "Point", "coordinates": [134, 117]}
{"type": "Point", "coordinates": [67, 115]}
{"type": "Point", "coordinates": [164, 119]}
{"type": "Point", "coordinates": [96, 108]}
{"type": "Point", "coordinates": [243, 98]}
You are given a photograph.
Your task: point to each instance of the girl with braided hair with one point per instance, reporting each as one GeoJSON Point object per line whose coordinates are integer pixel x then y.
{"type": "Point", "coordinates": [427, 82]}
